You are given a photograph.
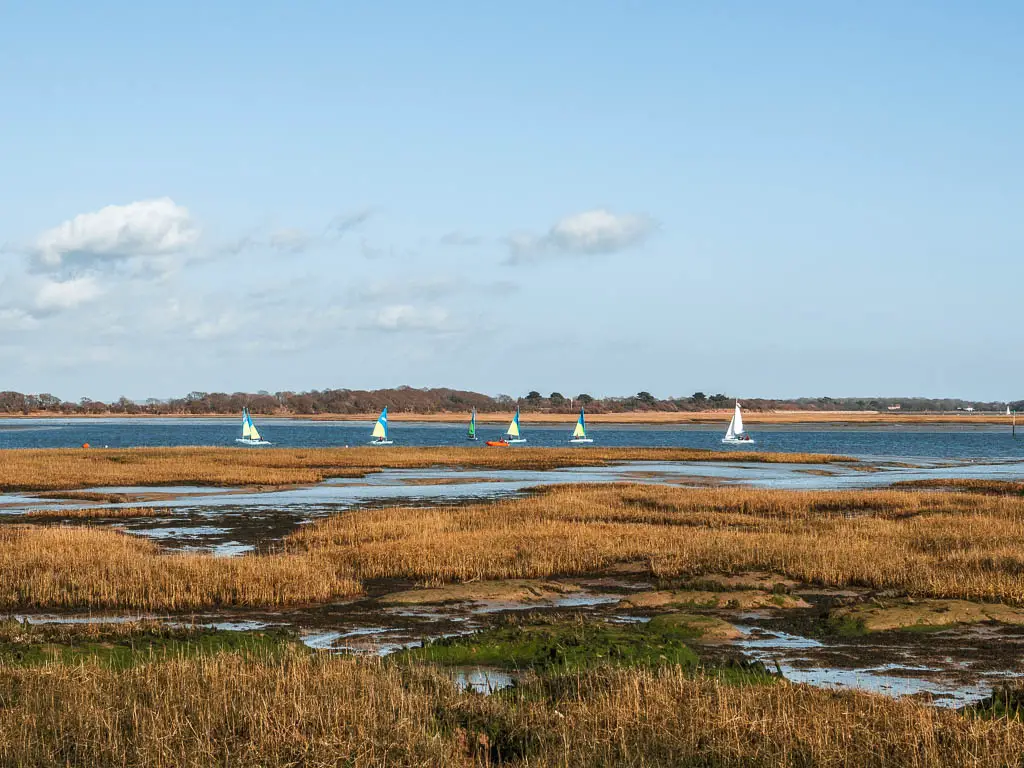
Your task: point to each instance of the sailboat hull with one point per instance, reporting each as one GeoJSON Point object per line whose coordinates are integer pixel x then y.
{"type": "Point", "coordinates": [382, 442]}
{"type": "Point", "coordinates": [515, 439]}
{"type": "Point", "coordinates": [738, 440]}
{"type": "Point", "coordinates": [250, 441]}
{"type": "Point", "coordinates": [472, 438]}
{"type": "Point", "coordinates": [582, 440]}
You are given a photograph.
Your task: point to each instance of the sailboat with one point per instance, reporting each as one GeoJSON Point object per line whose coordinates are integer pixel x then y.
{"type": "Point", "coordinates": [471, 435]}
{"type": "Point", "coordinates": [579, 435]}
{"type": "Point", "coordinates": [380, 430]}
{"type": "Point", "coordinates": [512, 434]}
{"type": "Point", "coordinates": [250, 435]}
{"type": "Point", "coordinates": [735, 433]}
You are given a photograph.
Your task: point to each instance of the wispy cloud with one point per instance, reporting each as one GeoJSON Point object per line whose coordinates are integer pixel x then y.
{"type": "Point", "coordinates": [460, 239]}
{"type": "Point", "coordinates": [583, 234]}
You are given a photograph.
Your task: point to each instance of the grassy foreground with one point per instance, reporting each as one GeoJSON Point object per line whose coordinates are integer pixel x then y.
{"type": "Point", "coordinates": [239, 710]}
{"type": "Point", "coordinates": [65, 469]}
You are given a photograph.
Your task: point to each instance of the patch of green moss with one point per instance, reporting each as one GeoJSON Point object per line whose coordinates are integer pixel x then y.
{"type": "Point", "coordinates": [120, 651]}
{"type": "Point", "coordinates": [570, 645]}
{"type": "Point", "coordinates": [845, 625]}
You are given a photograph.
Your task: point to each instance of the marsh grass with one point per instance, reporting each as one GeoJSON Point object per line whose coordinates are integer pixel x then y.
{"type": "Point", "coordinates": [995, 487]}
{"type": "Point", "coordinates": [93, 513]}
{"type": "Point", "coordinates": [234, 709]}
{"type": "Point", "coordinates": [76, 567]}
{"type": "Point", "coordinates": [127, 643]}
{"type": "Point", "coordinates": [926, 544]}
{"type": "Point", "coordinates": [66, 469]}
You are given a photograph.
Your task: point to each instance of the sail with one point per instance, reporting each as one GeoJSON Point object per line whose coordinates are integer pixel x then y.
{"type": "Point", "coordinates": [253, 432]}
{"type": "Point", "coordinates": [730, 433]}
{"type": "Point", "coordinates": [737, 420]}
{"type": "Point", "coordinates": [380, 429]}
{"type": "Point", "coordinates": [472, 424]}
{"type": "Point", "coordinates": [246, 425]}
{"type": "Point", "coordinates": [581, 426]}
{"type": "Point", "coordinates": [513, 428]}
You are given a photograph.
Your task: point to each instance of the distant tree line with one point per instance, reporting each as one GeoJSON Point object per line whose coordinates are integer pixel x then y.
{"type": "Point", "coordinates": [441, 400]}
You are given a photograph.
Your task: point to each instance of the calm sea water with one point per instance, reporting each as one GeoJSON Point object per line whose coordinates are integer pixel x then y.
{"type": "Point", "coordinates": [947, 442]}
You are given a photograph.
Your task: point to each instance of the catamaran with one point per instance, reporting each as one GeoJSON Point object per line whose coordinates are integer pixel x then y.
{"type": "Point", "coordinates": [579, 435]}
{"type": "Point", "coordinates": [250, 435]}
{"type": "Point", "coordinates": [512, 434]}
{"type": "Point", "coordinates": [471, 435]}
{"type": "Point", "coordinates": [380, 430]}
{"type": "Point", "coordinates": [735, 433]}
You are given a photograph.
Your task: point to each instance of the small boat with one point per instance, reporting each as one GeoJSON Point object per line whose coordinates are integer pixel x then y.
{"type": "Point", "coordinates": [735, 434]}
{"type": "Point", "coordinates": [380, 430]}
{"type": "Point", "coordinates": [471, 435]}
{"type": "Point", "coordinates": [250, 435]}
{"type": "Point", "coordinates": [579, 435]}
{"type": "Point", "coordinates": [497, 443]}
{"type": "Point", "coordinates": [512, 434]}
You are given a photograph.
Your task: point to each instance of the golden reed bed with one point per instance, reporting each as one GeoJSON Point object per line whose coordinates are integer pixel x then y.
{"type": "Point", "coordinates": [64, 469]}
{"type": "Point", "coordinates": [233, 710]}
{"type": "Point", "coordinates": [927, 544]}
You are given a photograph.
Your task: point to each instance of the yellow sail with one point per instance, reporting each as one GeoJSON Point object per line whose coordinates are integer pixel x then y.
{"type": "Point", "coordinates": [254, 433]}
{"type": "Point", "coordinates": [513, 428]}
{"type": "Point", "coordinates": [378, 430]}
{"type": "Point", "coordinates": [246, 429]}
{"type": "Point", "coordinates": [579, 431]}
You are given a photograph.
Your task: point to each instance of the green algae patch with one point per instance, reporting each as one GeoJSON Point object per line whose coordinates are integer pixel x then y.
{"type": "Point", "coordinates": [121, 646]}
{"type": "Point", "coordinates": [566, 645]}
{"type": "Point", "coordinates": [704, 629]}
{"type": "Point", "coordinates": [918, 616]}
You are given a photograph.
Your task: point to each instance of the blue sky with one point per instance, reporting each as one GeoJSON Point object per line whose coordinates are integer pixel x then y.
{"type": "Point", "coordinates": [763, 199]}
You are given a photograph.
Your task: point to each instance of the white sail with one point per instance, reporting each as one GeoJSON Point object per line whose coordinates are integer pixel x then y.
{"type": "Point", "coordinates": [737, 420]}
{"type": "Point", "coordinates": [730, 433]}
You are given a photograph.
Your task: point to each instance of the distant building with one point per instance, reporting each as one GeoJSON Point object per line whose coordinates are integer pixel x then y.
{"type": "Point", "coordinates": [894, 407]}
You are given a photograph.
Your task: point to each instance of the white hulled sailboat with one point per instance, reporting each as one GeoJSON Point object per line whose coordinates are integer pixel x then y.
{"type": "Point", "coordinates": [380, 430]}
{"type": "Point", "coordinates": [512, 434]}
{"type": "Point", "coordinates": [735, 433]}
{"type": "Point", "coordinates": [250, 435]}
{"type": "Point", "coordinates": [579, 435]}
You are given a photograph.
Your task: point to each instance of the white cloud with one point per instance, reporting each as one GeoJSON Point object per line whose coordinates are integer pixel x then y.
{"type": "Point", "coordinates": [116, 233]}
{"type": "Point", "coordinates": [405, 317]}
{"type": "Point", "coordinates": [583, 234]}
{"type": "Point", "coordinates": [59, 295]}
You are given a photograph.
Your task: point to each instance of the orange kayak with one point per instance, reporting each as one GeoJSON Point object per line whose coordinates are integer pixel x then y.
{"type": "Point", "coordinates": [497, 443]}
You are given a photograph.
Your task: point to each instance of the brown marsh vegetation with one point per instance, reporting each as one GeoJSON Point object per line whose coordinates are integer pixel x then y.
{"type": "Point", "coordinates": [64, 469]}
{"type": "Point", "coordinates": [924, 544]}
{"type": "Point", "coordinates": [92, 513]}
{"type": "Point", "coordinates": [996, 487]}
{"type": "Point", "coordinates": [927, 544]}
{"type": "Point", "coordinates": [235, 710]}
{"type": "Point", "coordinates": [76, 567]}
